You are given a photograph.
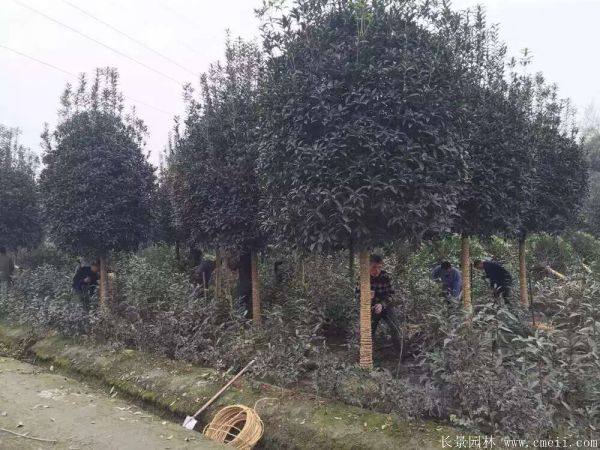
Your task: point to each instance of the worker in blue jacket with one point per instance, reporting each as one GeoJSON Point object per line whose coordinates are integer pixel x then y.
{"type": "Point", "coordinates": [450, 279]}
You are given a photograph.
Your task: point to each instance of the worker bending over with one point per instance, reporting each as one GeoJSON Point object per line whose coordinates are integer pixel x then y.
{"type": "Point", "coordinates": [85, 282]}
{"type": "Point", "coordinates": [500, 278]}
{"type": "Point", "coordinates": [7, 267]}
{"type": "Point", "coordinates": [451, 281]}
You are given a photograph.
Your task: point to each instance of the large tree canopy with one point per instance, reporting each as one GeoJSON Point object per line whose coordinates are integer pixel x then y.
{"type": "Point", "coordinates": [494, 130]}
{"type": "Point", "coordinates": [359, 141]}
{"type": "Point", "coordinates": [97, 183]}
{"type": "Point", "coordinates": [216, 188]}
{"type": "Point", "coordinates": [20, 219]}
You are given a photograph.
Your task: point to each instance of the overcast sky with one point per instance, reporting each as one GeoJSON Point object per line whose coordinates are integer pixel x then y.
{"type": "Point", "coordinates": [562, 34]}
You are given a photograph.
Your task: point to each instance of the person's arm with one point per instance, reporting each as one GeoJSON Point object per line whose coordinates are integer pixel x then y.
{"type": "Point", "coordinates": [77, 279]}
{"type": "Point", "coordinates": [435, 274]}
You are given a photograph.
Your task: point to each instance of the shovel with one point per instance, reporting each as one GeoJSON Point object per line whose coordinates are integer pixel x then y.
{"type": "Point", "coordinates": [190, 421]}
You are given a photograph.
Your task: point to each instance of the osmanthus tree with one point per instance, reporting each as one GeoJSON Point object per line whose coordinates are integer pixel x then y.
{"type": "Point", "coordinates": [215, 160]}
{"type": "Point", "coordinates": [359, 137]}
{"type": "Point", "coordinates": [559, 183]}
{"type": "Point", "coordinates": [20, 218]}
{"type": "Point", "coordinates": [97, 183]}
{"type": "Point", "coordinates": [165, 226]}
{"type": "Point", "coordinates": [494, 129]}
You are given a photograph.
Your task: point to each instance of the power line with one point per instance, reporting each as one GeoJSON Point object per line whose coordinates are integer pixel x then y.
{"type": "Point", "coordinates": [179, 41]}
{"type": "Point", "coordinates": [38, 60]}
{"type": "Point", "coordinates": [131, 38]}
{"type": "Point", "coordinates": [118, 52]}
{"type": "Point", "coordinates": [52, 66]}
{"type": "Point", "coordinates": [181, 17]}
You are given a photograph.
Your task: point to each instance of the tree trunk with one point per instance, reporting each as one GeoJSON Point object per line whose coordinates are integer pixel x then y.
{"type": "Point", "coordinates": [351, 259]}
{"type": "Point", "coordinates": [523, 273]}
{"type": "Point", "coordinates": [218, 273]}
{"type": "Point", "coordinates": [366, 339]}
{"type": "Point", "coordinates": [103, 284]}
{"type": "Point", "coordinates": [256, 317]}
{"type": "Point", "coordinates": [466, 275]}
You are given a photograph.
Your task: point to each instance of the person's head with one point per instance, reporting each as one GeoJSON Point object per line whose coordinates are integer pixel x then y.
{"type": "Point", "coordinates": [478, 264]}
{"type": "Point", "coordinates": [376, 262]}
{"type": "Point", "coordinates": [2, 250]}
{"type": "Point", "coordinates": [446, 266]}
{"type": "Point", "coordinates": [95, 266]}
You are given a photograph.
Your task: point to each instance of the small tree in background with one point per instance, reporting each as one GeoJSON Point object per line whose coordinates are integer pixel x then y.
{"type": "Point", "coordinates": [216, 188]}
{"type": "Point", "coordinates": [359, 136]}
{"type": "Point", "coordinates": [558, 185]}
{"type": "Point", "coordinates": [165, 226]}
{"type": "Point", "coordinates": [591, 148]}
{"type": "Point", "coordinates": [97, 184]}
{"type": "Point", "coordinates": [20, 218]}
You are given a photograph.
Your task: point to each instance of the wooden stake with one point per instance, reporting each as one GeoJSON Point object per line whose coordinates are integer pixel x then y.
{"type": "Point", "coordinates": [256, 316]}
{"type": "Point", "coordinates": [466, 275]}
{"type": "Point", "coordinates": [523, 293]}
{"type": "Point", "coordinates": [551, 271]}
{"type": "Point", "coordinates": [366, 339]}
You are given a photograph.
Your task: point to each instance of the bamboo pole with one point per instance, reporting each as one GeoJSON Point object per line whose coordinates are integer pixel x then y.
{"type": "Point", "coordinates": [366, 339]}
{"type": "Point", "coordinates": [256, 315]}
{"type": "Point", "coordinates": [466, 274]}
{"type": "Point", "coordinates": [523, 291]}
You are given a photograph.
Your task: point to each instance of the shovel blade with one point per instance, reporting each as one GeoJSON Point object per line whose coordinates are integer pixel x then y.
{"type": "Point", "coordinates": [189, 423]}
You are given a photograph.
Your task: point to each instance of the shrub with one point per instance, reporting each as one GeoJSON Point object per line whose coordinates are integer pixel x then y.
{"type": "Point", "coordinates": [42, 297]}
{"type": "Point", "coordinates": [554, 251]}
{"type": "Point", "coordinates": [586, 247]}
{"type": "Point", "coordinates": [47, 253]}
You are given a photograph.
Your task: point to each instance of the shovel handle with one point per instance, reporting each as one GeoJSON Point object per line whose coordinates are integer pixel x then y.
{"type": "Point", "coordinates": [224, 388]}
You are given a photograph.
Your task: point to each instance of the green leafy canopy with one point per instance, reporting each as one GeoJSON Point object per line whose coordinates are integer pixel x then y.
{"type": "Point", "coordinates": [97, 184]}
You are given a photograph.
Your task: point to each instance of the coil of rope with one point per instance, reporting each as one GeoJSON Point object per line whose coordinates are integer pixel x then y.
{"type": "Point", "coordinates": [237, 425]}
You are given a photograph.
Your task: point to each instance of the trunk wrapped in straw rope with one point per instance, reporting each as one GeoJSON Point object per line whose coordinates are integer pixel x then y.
{"type": "Point", "coordinates": [523, 293]}
{"type": "Point", "coordinates": [103, 284]}
{"type": "Point", "coordinates": [466, 274]}
{"type": "Point", "coordinates": [366, 339]}
{"type": "Point", "coordinates": [256, 314]}
{"type": "Point", "coordinates": [218, 272]}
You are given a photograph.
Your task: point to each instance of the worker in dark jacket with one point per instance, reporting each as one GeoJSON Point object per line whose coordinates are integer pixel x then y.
{"type": "Point", "coordinates": [85, 282]}
{"type": "Point", "coordinates": [382, 301]}
{"type": "Point", "coordinates": [500, 279]}
{"type": "Point", "coordinates": [7, 266]}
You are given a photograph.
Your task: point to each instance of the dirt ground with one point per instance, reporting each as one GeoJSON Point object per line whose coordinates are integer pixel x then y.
{"type": "Point", "coordinates": [50, 406]}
